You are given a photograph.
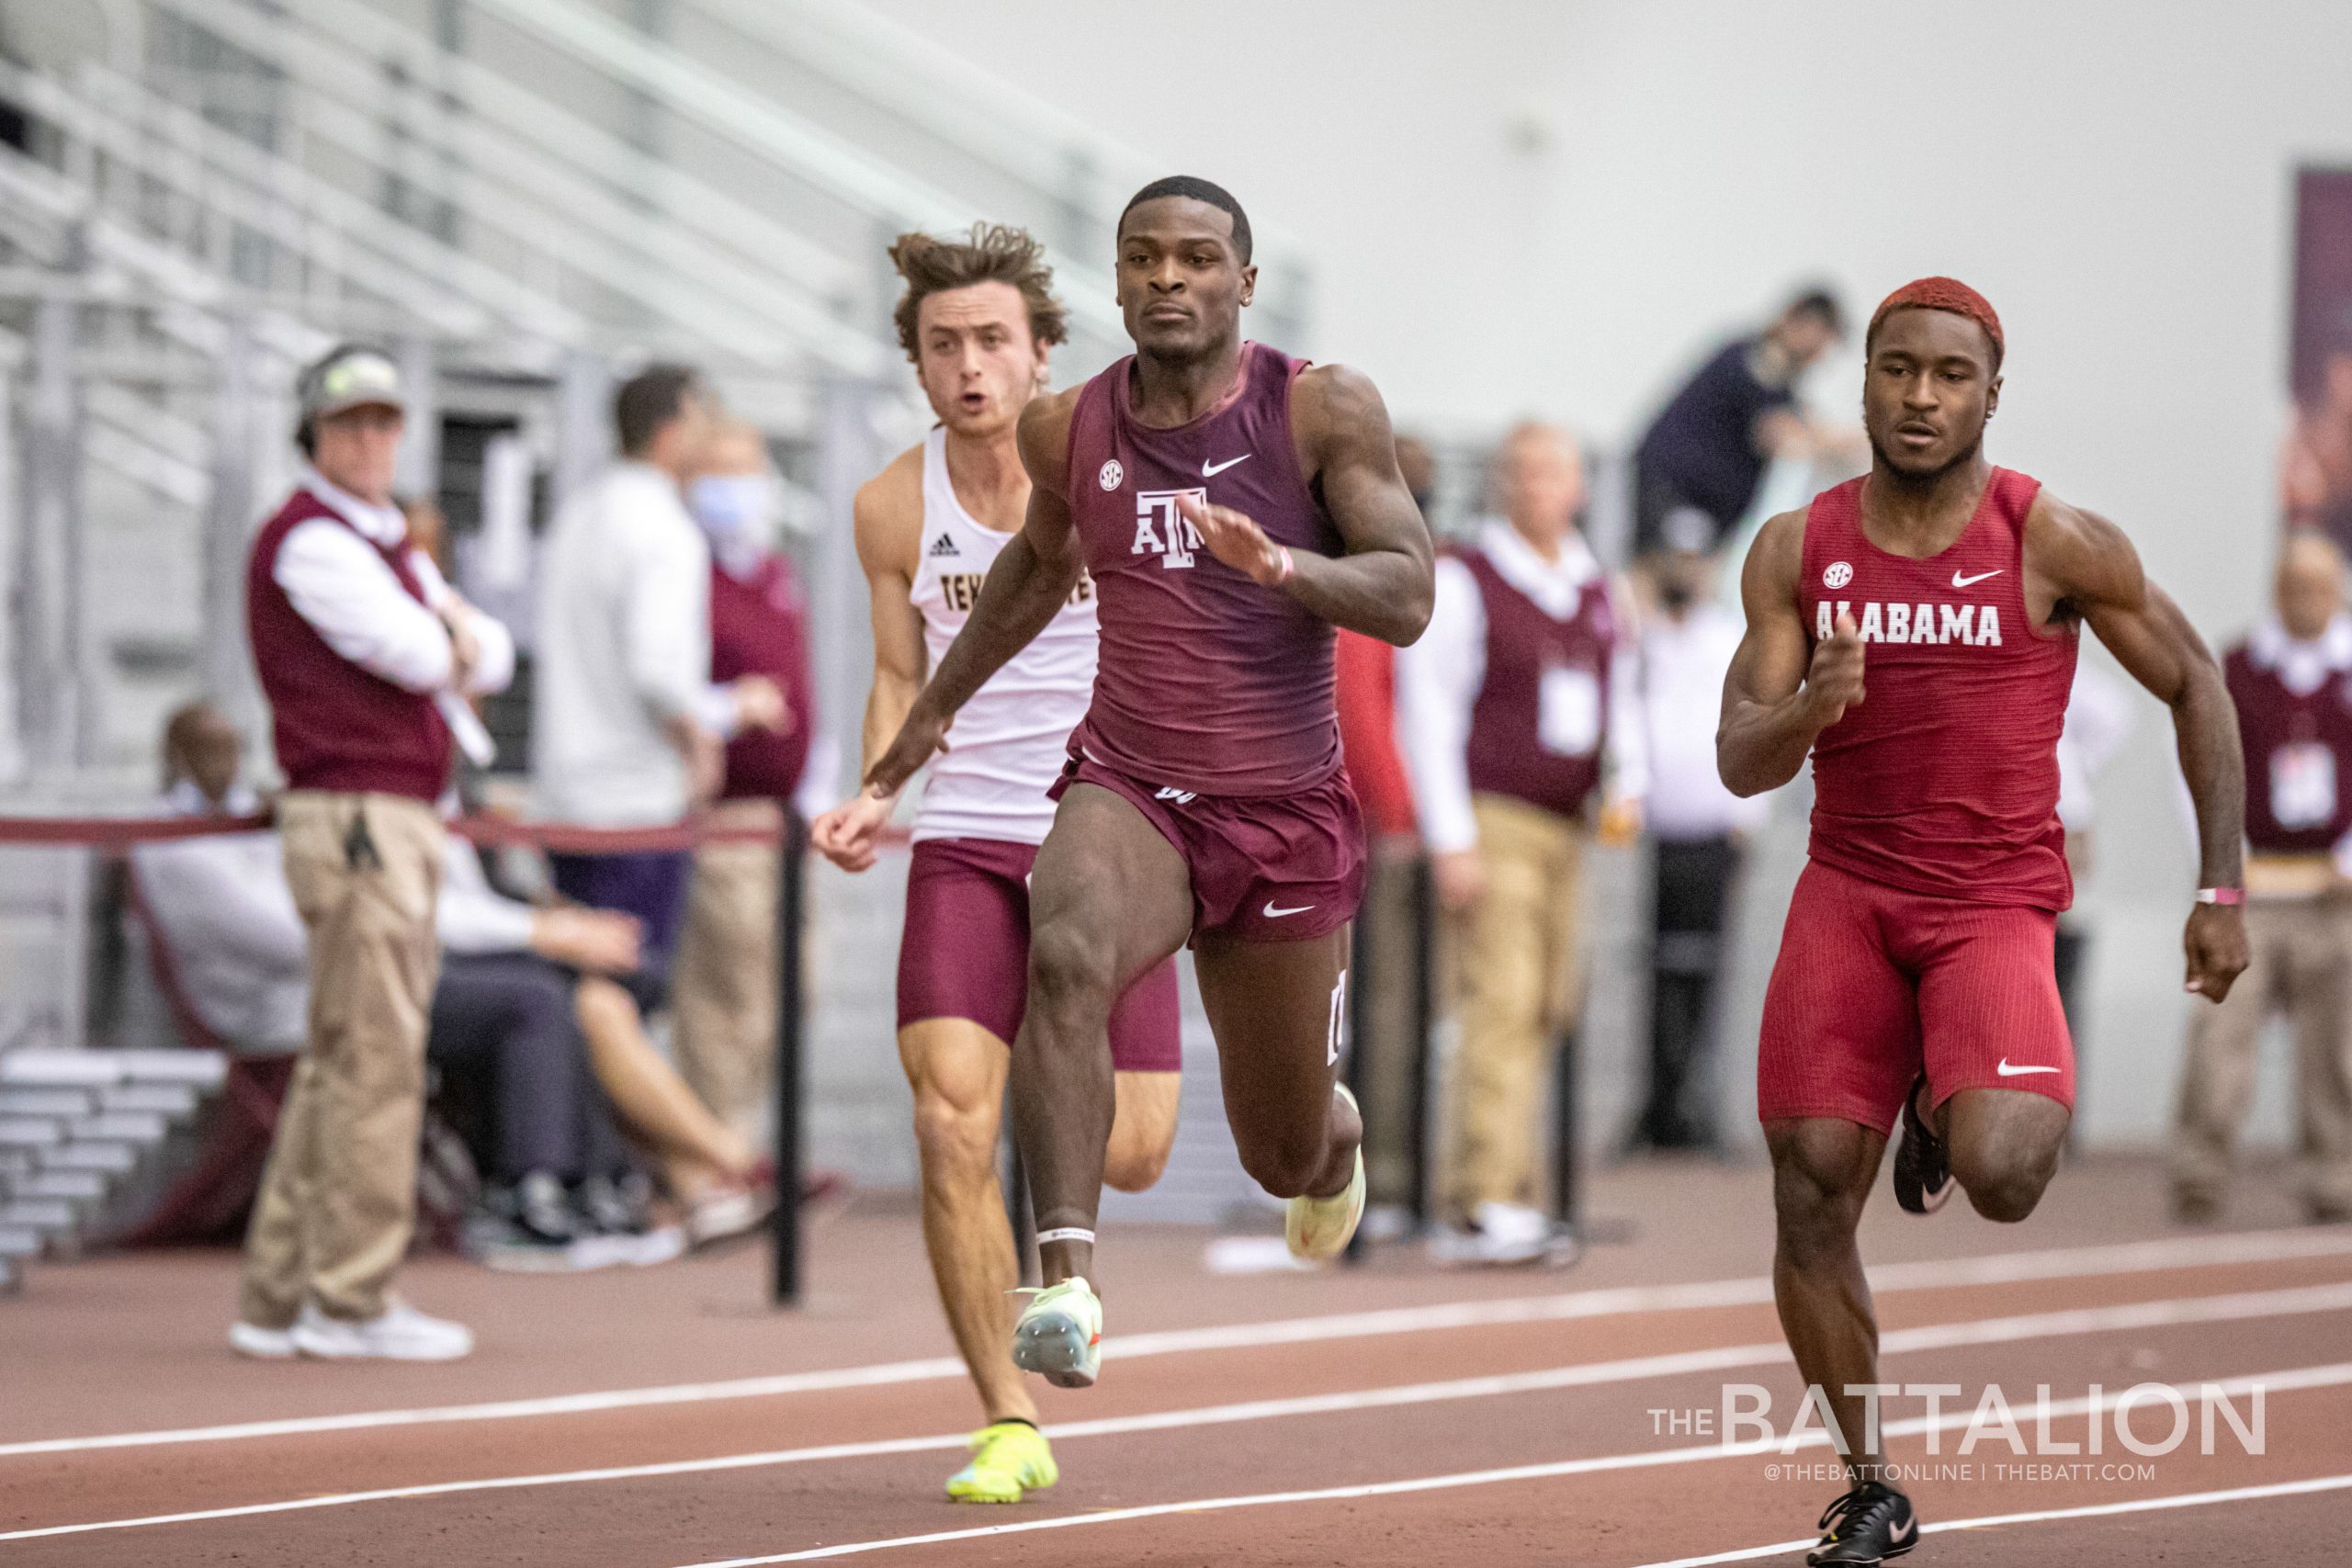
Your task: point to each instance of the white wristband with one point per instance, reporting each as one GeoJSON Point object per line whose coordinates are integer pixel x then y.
{"type": "Point", "coordinates": [1065, 1233]}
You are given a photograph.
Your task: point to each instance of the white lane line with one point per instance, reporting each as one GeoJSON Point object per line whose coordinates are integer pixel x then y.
{"type": "Point", "coordinates": [2052, 1263]}
{"type": "Point", "coordinates": [2303, 1378]}
{"type": "Point", "coordinates": [2241, 1306]}
{"type": "Point", "coordinates": [2041, 1516]}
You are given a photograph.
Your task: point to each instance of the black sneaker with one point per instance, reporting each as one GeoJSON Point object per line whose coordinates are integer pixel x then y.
{"type": "Point", "coordinates": [525, 1228]}
{"type": "Point", "coordinates": [1868, 1525]}
{"type": "Point", "coordinates": [617, 1225]}
{"type": "Point", "coordinates": [1922, 1165]}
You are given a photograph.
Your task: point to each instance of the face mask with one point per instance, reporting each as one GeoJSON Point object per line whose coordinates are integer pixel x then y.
{"type": "Point", "coordinates": [734, 509]}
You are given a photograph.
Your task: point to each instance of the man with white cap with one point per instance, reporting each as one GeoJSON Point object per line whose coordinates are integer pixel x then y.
{"type": "Point", "coordinates": [366, 655]}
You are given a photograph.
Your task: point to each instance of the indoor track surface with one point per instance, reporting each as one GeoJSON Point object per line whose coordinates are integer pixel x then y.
{"type": "Point", "coordinates": [1388, 1413]}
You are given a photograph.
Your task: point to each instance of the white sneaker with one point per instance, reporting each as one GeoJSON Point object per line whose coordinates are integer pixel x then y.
{"type": "Point", "coordinates": [1500, 1235]}
{"type": "Point", "coordinates": [261, 1344]}
{"type": "Point", "coordinates": [402, 1334]}
{"type": "Point", "coordinates": [1059, 1335]}
{"type": "Point", "coordinates": [1318, 1229]}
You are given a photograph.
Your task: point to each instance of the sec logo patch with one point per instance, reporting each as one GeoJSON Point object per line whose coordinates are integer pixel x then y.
{"type": "Point", "coordinates": [1112, 474]}
{"type": "Point", "coordinates": [1837, 575]}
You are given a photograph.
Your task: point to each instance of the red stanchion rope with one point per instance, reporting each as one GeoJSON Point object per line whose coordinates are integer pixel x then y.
{"type": "Point", "coordinates": [122, 833]}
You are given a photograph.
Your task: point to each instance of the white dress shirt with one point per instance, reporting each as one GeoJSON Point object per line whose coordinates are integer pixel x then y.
{"type": "Point", "coordinates": [1683, 668]}
{"type": "Point", "coordinates": [1438, 680]}
{"type": "Point", "coordinates": [623, 647]}
{"type": "Point", "coordinates": [220, 910]}
{"type": "Point", "coordinates": [351, 598]}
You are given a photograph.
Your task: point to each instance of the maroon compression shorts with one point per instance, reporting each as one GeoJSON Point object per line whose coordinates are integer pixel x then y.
{"type": "Point", "coordinates": [965, 954]}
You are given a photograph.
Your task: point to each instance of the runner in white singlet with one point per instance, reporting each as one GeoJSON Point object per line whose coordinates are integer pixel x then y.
{"type": "Point", "coordinates": [1008, 744]}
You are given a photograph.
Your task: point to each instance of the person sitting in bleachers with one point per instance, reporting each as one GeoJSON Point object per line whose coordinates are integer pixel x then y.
{"type": "Point", "coordinates": [524, 1015]}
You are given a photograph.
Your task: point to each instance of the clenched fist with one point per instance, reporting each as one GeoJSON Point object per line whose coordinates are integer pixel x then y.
{"type": "Point", "coordinates": [1834, 681]}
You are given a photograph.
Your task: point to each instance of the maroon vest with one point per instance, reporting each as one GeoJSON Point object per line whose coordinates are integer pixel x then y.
{"type": "Point", "coordinates": [337, 727]}
{"type": "Point", "coordinates": [1548, 759]}
{"type": "Point", "coordinates": [1207, 681]}
{"type": "Point", "coordinates": [2298, 758]}
{"type": "Point", "coordinates": [760, 627]}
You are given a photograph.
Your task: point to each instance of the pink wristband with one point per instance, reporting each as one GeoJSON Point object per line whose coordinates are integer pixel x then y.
{"type": "Point", "coordinates": [1290, 567]}
{"type": "Point", "coordinates": [2221, 895]}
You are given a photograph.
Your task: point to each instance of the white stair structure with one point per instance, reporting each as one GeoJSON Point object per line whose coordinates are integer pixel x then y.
{"type": "Point", "coordinates": [79, 1130]}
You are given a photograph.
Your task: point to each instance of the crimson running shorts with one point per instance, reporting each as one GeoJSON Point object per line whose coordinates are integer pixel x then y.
{"type": "Point", "coordinates": [965, 954]}
{"type": "Point", "coordinates": [1873, 984]}
{"type": "Point", "coordinates": [1264, 868]}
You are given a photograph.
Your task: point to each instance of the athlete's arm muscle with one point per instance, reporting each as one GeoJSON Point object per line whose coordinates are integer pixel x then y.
{"type": "Point", "coordinates": [1033, 578]}
{"type": "Point", "coordinates": [1779, 695]}
{"type": "Point", "coordinates": [1384, 585]}
{"type": "Point", "coordinates": [888, 516]}
{"type": "Point", "coordinates": [2085, 561]}
{"type": "Point", "coordinates": [888, 519]}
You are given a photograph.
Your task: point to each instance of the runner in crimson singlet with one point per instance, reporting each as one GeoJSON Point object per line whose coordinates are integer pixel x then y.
{"type": "Point", "coordinates": [1232, 505]}
{"type": "Point", "coordinates": [1915, 630]}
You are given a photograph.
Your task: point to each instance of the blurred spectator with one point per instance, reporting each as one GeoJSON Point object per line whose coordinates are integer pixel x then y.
{"type": "Point", "coordinates": [1701, 830]}
{"type": "Point", "coordinates": [626, 730]}
{"type": "Point", "coordinates": [759, 628]}
{"type": "Point", "coordinates": [2294, 704]}
{"type": "Point", "coordinates": [2315, 468]}
{"type": "Point", "coordinates": [1518, 713]}
{"type": "Point", "coordinates": [1707, 450]}
{"type": "Point", "coordinates": [364, 654]}
{"type": "Point", "coordinates": [521, 1018]}
{"type": "Point", "coordinates": [2099, 721]}
{"type": "Point", "coordinates": [1391, 960]}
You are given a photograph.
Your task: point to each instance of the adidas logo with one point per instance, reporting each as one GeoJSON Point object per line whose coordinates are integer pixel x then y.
{"type": "Point", "coordinates": [943, 546]}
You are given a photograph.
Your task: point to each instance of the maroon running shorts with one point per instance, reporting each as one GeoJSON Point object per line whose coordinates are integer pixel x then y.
{"type": "Point", "coordinates": [1264, 868]}
{"type": "Point", "coordinates": [965, 954]}
{"type": "Point", "coordinates": [1874, 983]}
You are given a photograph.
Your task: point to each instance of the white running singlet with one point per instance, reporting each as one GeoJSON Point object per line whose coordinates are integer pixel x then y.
{"type": "Point", "coordinates": [1009, 742]}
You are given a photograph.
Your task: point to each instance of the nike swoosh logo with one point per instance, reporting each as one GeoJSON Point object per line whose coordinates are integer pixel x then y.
{"type": "Point", "coordinates": [1273, 913]}
{"type": "Point", "coordinates": [1210, 470]}
{"type": "Point", "coordinates": [2008, 1071]}
{"type": "Point", "coordinates": [1960, 581]}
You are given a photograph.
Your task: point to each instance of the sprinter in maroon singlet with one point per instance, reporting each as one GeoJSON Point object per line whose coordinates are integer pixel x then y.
{"type": "Point", "coordinates": [1232, 505]}
{"type": "Point", "coordinates": [1915, 630]}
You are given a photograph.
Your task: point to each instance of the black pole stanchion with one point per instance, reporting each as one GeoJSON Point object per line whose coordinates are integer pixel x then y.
{"type": "Point", "coordinates": [1566, 1143]}
{"type": "Point", "coordinates": [784, 1232]}
{"type": "Point", "coordinates": [1017, 1207]}
{"type": "Point", "coordinates": [1424, 1022]}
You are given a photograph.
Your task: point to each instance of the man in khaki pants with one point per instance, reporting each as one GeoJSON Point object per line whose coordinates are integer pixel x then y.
{"type": "Point", "coordinates": [365, 653]}
{"type": "Point", "coordinates": [2292, 680]}
{"type": "Point", "coordinates": [1518, 717]}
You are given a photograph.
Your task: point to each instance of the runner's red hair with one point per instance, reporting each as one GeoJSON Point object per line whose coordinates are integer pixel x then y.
{"type": "Point", "coordinates": [1940, 294]}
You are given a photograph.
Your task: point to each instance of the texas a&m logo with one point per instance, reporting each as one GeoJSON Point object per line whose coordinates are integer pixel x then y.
{"type": "Point", "coordinates": [1161, 530]}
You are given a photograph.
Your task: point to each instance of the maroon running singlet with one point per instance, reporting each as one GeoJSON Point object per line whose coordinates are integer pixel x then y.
{"type": "Point", "coordinates": [1213, 709]}
{"type": "Point", "coordinates": [1920, 935]}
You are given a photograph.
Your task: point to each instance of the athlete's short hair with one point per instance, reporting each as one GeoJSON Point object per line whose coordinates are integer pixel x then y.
{"type": "Point", "coordinates": [1822, 306]}
{"type": "Point", "coordinates": [991, 252]}
{"type": "Point", "coordinates": [649, 400]}
{"type": "Point", "coordinates": [1940, 294]}
{"type": "Point", "coordinates": [1198, 189]}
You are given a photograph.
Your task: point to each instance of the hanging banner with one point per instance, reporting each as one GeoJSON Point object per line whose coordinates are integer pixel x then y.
{"type": "Point", "coordinates": [2315, 465]}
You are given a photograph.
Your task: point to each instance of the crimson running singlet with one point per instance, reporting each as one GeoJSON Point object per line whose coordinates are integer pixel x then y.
{"type": "Point", "coordinates": [1207, 682]}
{"type": "Point", "coordinates": [1944, 780]}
